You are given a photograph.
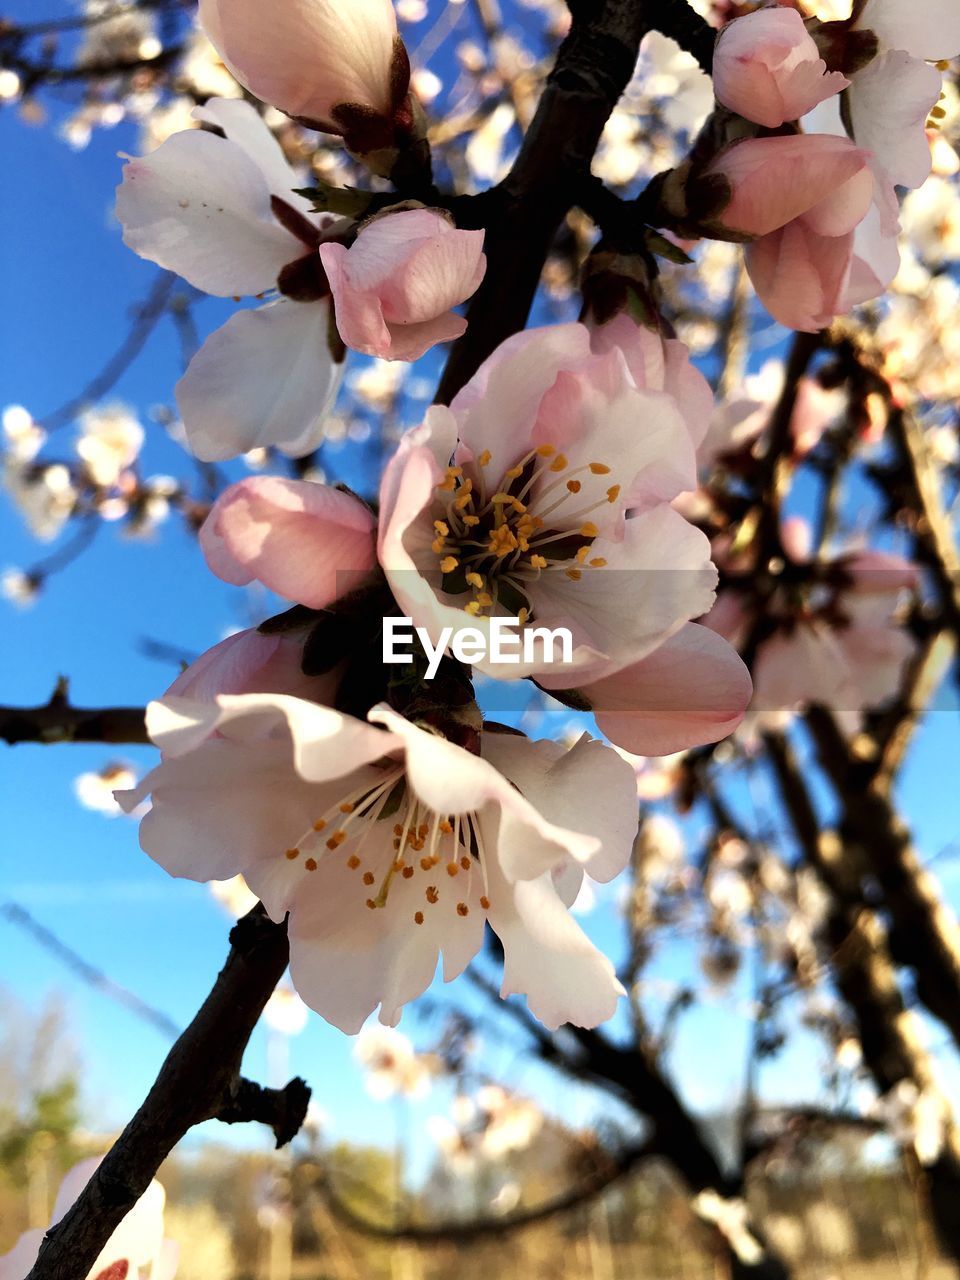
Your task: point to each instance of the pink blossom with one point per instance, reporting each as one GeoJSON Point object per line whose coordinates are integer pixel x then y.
{"type": "Point", "coordinates": [394, 288]}
{"type": "Point", "coordinates": [311, 57]}
{"type": "Point", "coordinates": [767, 68]}
{"type": "Point", "coordinates": [556, 509]}
{"type": "Point", "coordinates": [251, 662]}
{"type": "Point", "coordinates": [839, 644]}
{"type": "Point", "coordinates": [309, 542]}
{"type": "Point", "coordinates": [691, 690]}
{"type": "Point", "coordinates": [388, 845]}
{"type": "Point", "coordinates": [135, 1251]}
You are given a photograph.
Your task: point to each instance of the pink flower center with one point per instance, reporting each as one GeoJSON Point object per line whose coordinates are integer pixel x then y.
{"type": "Point", "coordinates": [492, 545]}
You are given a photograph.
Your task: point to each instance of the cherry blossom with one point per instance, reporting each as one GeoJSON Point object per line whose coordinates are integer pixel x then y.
{"type": "Point", "coordinates": [394, 287]}
{"type": "Point", "coordinates": [388, 845]}
{"type": "Point", "coordinates": [767, 68]}
{"type": "Point", "coordinates": [309, 542]}
{"type": "Point", "coordinates": [135, 1251]}
{"type": "Point", "coordinates": [334, 66]}
{"type": "Point", "coordinates": [221, 212]}
{"type": "Point", "coordinates": [841, 643]}
{"type": "Point", "coordinates": [391, 1065]}
{"type": "Point", "coordinates": [556, 507]}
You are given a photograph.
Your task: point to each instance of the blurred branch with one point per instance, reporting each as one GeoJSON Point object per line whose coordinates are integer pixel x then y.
{"type": "Point", "coordinates": [865, 976]}
{"type": "Point", "coordinates": [58, 721]}
{"type": "Point", "coordinates": [476, 1228]}
{"type": "Point", "coordinates": [145, 318]}
{"type": "Point", "coordinates": [93, 976]}
{"type": "Point", "coordinates": [631, 1074]}
{"type": "Point", "coordinates": [199, 1080]}
{"type": "Point", "coordinates": [926, 933]}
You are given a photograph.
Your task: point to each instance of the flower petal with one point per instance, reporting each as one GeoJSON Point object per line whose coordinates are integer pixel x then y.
{"type": "Point", "coordinates": [693, 690]}
{"type": "Point", "coordinates": [200, 206]}
{"type": "Point", "coordinates": [265, 378]}
{"type": "Point", "coordinates": [309, 542]}
{"type": "Point", "coordinates": [548, 958]}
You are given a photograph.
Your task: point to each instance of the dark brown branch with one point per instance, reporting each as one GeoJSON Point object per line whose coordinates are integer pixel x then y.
{"type": "Point", "coordinates": [926, 933]}
{"type": "Point", "coordinates": [199, 1080]}
{"type": "Point", "coordinates": [680, 21]}
{"type": "Point", "coordinates": [58, 721]}
{"type": "Point", "coordinates": [522, 215]}
{"type": "Point", "coordinates": [282, 1110]}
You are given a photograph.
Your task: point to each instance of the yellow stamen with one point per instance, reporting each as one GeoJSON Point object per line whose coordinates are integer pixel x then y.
{"type": "Point", "coordinates": [598, 562]}
{"type": "Point", "coordinates": [559, 463]}
{"type": "Point", "coordinates": [546, 450]}
{"type": "Point", "coordinates": [293, 853]}
{"type": "Point", "coordinates": [475, 580]}
{"type": "Point", "coordinates": [574, 574]}
{"type": "Point", "coordinates": [484, 459]}
{"type": "Point", "coordinates": [599, 468]}
{"type": "Point", "coordinates": [448, 564]}
{"type": "Point", "coordinates": [589, 530]}
{"type": "Point", "coordinates": [613, 493]}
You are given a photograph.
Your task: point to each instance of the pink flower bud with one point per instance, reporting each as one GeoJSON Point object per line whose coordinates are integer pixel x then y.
{"type": "Point", "coordinates": [311, 57]}
{"type": "Point", "coordinates": [775, 180]}
{"type": "Point", "coordinates": [768, 69]}
{"type": "Point", "coordinates": [394, 287]}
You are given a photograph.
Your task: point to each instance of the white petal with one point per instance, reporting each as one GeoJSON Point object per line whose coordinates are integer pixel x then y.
{"type": "Point", "coordinates": [890, 100]}
{"type": "Point", "coordinates": [245, 127]}
{"type": "Point", "coordinates": [265, 378]}
{"type": "Point", "coordinates": [924, 28]}
{"type": "Point", "coordinates": [200, 206]}
{"type": "Point", "coordinates": [549, 959]}
{"type": "Point", "coordinates": [588, 786]}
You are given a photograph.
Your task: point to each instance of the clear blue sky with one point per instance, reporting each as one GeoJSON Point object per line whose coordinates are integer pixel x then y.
{"type": "Point", "coordinates": [68, 284]}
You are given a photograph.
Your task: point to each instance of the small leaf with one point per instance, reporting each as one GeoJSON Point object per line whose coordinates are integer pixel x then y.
{"type": "Point", "coordinates": [348, 202]}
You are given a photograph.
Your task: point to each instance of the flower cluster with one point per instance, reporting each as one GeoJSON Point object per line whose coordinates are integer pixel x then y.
{"type": "Point", "coordinates": [377, 809]}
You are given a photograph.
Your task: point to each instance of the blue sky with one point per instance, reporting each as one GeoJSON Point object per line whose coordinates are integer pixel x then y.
{"type": "Point", "coordinates": [69, 283]}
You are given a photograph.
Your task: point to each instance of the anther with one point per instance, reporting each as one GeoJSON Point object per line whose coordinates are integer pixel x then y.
{"type": "Point", "coordinates": [485, 903]}
{"type": "Point", "coordinates": [448, 564]}
{"type": "Point", "coordinates": [418, 917]}
{"type": "Point", "coordinates": [599, 468]}
{"type": "Point", "coordinates": [559, 463]}
{"type": "Point", "coordinates": [368, 877]}
{"type": "Point", "coordinates": [462, 909]}
{"type": "Point", "coordinates": [452, 868]}
{"type": "Point", "coordinates": [433, 893]}
{"type": "Point", "coordinates": [353, 862]}
{"type": "Point", "coordinates": [293, 853]}
{"type": "Point", "coordinates": [311, 864]}
{"type": "Point", "coordinates": [319, 824]}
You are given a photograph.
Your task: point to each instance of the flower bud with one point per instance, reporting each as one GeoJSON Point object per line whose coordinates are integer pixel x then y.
{"type": "Point", "coordinates": [768, 69]}
{"type": "Point", "coordinates": [338, 67]}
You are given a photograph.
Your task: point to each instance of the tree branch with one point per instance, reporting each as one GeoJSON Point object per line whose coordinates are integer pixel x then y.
{"type": "Point", "coordinates": [200, 1080]}
{"type": "Point", "coordinates": [522, 215]}
{"type": "Point", "coordinates": [58, 721]}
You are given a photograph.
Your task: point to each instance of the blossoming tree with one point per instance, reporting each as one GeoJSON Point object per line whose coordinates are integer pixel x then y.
{"type": "Point", "coordinates": [755, 571]}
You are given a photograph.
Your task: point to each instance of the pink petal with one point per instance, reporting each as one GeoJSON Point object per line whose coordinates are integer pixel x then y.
{"type": "Point", "coordinates": [775, 180]}
{"type": "Point", "coordinates": [306, 56]}
{"type": "Point", "coordinates": [801, 277]}
{"type": "Point", "coordinates": [394, 287]}
{"type": "Point", "coordinates": [694, 689]}
{"type": "Point", "coordinates": [308, 542]}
